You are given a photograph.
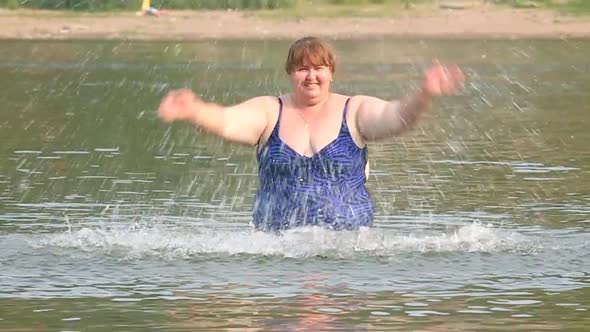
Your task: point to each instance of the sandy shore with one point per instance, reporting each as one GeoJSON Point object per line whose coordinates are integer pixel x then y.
{"type": "Point", "coordinates": [477, 22]}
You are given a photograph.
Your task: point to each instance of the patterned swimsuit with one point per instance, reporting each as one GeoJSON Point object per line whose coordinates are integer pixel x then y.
{"type": "Point", "coordinates": [327, 189]}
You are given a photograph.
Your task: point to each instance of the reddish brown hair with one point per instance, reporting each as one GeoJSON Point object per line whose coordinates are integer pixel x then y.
{"type": "Point", "coordinates": [317, 51]}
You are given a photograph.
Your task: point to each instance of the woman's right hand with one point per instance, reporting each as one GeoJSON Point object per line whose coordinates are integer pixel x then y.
{"type": "Point", "coordinates": [442, 80]}
{"type": "Point", "coordinates": [179, 105]}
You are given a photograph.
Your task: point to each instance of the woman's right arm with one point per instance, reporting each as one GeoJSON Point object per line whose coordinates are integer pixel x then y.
{"type": "Point", "coordinates": [242, 123]}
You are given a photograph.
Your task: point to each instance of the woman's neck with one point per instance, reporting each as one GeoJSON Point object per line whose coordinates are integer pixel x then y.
{"type": "Point", "coordinates": [309, 104]}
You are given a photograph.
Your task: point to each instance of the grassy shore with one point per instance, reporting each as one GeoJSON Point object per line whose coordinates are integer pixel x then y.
{"type": "Point", "coordinates": [387, 8]}
{"type": "Point", "coordinates": [579, 7]}
{"type": "Point", "coordinates": [350, 19]}
{"type": "Point", "coordinates": [325, 8]}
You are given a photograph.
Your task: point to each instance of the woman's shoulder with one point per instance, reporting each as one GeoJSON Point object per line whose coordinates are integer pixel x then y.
{"type": "Point", "coordinates": [265, 103]}
{"type": "Point", "coordinates": [357, 100]}
{"type": "Point", "coordinates": [339, 96]}
{"type": "Point", "coordinates": [265, 99]}
{"type": "Point", "coordinates": [351, 99]}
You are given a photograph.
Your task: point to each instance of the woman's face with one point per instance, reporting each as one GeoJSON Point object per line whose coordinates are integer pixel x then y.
{"type": "Point", "coordinates": [311, 81]}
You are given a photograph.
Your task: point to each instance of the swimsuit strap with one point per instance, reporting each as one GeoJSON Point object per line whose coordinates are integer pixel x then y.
{"type": "Point", "coordinates": [275, 131]}
{"type": "Point", "coordinates": [344, 123]}
{"type": "Point", "coordinates": [345, 108]}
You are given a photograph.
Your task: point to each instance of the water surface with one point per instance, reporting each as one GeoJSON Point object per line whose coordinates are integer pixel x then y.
{"type": "Point", "coordinates": [110, 219]}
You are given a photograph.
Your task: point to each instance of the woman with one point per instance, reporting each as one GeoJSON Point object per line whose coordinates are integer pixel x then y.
{"type": "Point", "coordinates": [311, 143]}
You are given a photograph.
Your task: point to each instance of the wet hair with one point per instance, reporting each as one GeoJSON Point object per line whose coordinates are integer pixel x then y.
{"type": "Point", "coordinates": [317, 51]}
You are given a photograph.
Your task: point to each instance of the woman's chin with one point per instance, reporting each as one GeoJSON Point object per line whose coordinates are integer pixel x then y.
{"type": "Point", "coordinates": [311, 93]}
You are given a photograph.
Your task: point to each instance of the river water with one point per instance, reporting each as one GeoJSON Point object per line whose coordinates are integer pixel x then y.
{"type": "Point", "coordinates": [112, 220]}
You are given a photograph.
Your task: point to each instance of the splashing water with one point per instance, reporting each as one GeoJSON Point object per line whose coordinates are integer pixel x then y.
{"type": "Point", "coordinates": [303, 242]}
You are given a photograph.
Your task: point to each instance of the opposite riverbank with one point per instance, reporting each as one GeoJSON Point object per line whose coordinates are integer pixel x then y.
{"type": "Point", "coordinates": [481, 21]}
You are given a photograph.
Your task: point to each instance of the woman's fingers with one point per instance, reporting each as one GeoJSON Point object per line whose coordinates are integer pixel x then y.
{"type": "Point", "coordinates": [457, 73]}
{"type": "Point", "coordinates": [443, 80]}
{"type": "Point", "coordinates": [168, 109]}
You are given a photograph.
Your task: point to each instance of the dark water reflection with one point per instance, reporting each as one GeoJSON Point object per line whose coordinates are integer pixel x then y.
{"type": "Point", "coordinates": [345, 310]}
{"type": "Point", "coordinates": [110, 219]}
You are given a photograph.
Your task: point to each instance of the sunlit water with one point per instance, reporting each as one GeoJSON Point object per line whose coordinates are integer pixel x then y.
{"type": "Point", "coordinates": [111, 220]}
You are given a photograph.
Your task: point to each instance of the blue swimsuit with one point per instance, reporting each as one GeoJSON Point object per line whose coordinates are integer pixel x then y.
{"type": "Point", "coordinates": [327, 189]}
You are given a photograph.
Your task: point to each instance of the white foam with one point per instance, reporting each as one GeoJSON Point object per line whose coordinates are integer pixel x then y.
{"type": "Point", "coordinates": [182, 241]}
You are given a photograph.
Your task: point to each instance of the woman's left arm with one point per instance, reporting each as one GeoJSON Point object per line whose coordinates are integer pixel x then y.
{"type": "Point", "coordinates": [377, 119]}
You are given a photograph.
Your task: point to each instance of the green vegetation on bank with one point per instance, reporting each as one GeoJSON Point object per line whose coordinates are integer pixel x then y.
{"type": "Point", "coordinates": [107, 5]}
{"type": "Point", "coordinates": [571, 6]}
{"type": "Point", "coordinates": [566, 6]}
{"type": "Point", "coordinates": [305, 7]}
